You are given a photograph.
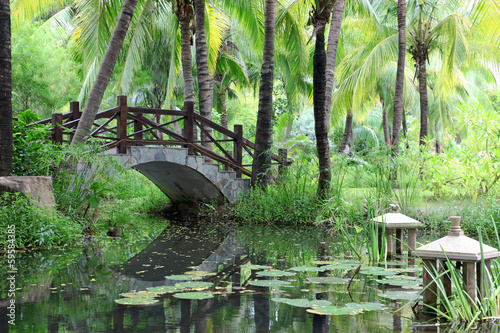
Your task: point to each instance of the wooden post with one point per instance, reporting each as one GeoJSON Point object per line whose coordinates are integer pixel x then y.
{"type": "Point", "coordinates": [430, 287]}
{"type": "Point", "coordinates": [189, 125]}
{"type": "Point", "coordinates": [238, 148]}
{"type": "Point", "coordinates": [412, 241]}
{"type": "Point", "coordinates": [57, 120]}
{"type": "Point", "coordinates": [399, 237]}
{"type": "Point", "coordinates": [388, 237]}
{"type": "Point", "coordinates": [283, 153]}
{"type": "Point", "coordinates": [74, 109]}
{"type": "Point", "coordinates": [122, 125]}
{"type": "Point", "coordinates": [230, 153]}
{"type": "Point", "coordinates": [138, 128]}
{"type": "Point", "coordinates": [483, 282]}
{"type": "Point", "coordinates": [469, 275]}
{"type": "Point", "coordinates": [446, 279]}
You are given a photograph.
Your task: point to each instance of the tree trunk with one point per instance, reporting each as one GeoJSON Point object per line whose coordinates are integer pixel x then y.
{"type": "Point", "coordinates": [263, 134]}
{"type": "Point", "coordinates": [424, 102]}
{"type": "Point", "coordinates": [347, 133]}
{"type": "Point", "coordinates": [205, 81]}
{"type": "Point", "coordinates": [320, 126]}
{"type": "Point", "coordinates": [187, 69]}
{"type": "Point", "coordinates": [405, 130]}
{"type": "Point", "coordinates": [331, 55]}
{"type": "Point", "coordinates": [104, 73]}
{"type": "Point", "coordinates": [184, 14]}
{"type": "Point", "coordinates": [6, 139]}
{"type": "Point", "coordinates": [398, 93]}
{"type": "Point", "coordinates": [223, 110]}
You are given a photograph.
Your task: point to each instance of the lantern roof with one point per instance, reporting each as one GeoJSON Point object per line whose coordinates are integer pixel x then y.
{"type": "Point", "coordinates": [396, 220]}
{"type": "Point", "coordinates": [457, 246]}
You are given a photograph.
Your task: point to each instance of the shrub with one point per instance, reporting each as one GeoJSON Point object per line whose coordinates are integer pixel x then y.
{"type": "Point", "coordinates": [35, 227]}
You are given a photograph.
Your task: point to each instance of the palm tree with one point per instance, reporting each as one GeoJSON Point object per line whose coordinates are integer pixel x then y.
{"type": "Point", "coordinates": [6, 139]}
{"type": "Point", "coordinates": [319, 19]}
{"type": "Point", "coordinates": [398, 92]}
{"type": "Point", "coordinates": [105, 71]}
{"type": "Point", "coordinates": [205, 80]}
{"type": "Point", "coordinates": [442, 35]}
{"type": "Point", "coordinates": [185, 14]}
{"type": "Point", "coordinates": [331, 54]}
{"type": "Point", "coordinates": [263, 134]}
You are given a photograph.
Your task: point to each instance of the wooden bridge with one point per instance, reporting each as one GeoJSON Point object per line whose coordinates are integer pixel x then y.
{"type": "Point", "coordinates": [127, 129]}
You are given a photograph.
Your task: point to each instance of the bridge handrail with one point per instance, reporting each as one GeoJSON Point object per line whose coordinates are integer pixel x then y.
{"type": "Point", "coordinates": [64, 125]}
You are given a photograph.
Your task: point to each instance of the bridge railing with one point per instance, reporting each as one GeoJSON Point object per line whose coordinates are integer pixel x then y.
{"type": "Point", "coordinates": [126, 126]}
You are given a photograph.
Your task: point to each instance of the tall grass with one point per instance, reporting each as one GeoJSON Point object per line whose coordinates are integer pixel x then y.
{"type": "Point", "coordinates": [290, 200]}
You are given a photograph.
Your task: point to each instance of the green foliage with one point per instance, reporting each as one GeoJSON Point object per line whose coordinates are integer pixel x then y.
{"type": "Point", "coordinates": [130, 197]}
{"type": "Point", "coordinates": [34, 227]}
{"type": "Point", "coordinates": [472, 170]}
{"type": "Point", "coordinates": [44, 78]}
{"type": "Point", "coordinates": [290, 200]}
{"type": "Point", "coordinates": [31, 152]}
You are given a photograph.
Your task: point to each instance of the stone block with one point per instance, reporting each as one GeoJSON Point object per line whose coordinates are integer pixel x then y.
{"type": "Point", "coordinates": [38, 188]}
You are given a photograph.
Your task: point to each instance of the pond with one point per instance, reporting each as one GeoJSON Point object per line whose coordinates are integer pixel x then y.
{"type": "Point", "coordinates": [253, 279]}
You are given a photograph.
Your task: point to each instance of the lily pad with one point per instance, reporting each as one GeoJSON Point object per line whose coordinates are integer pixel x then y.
{"type": "Point", "coordinates": [308, 269]}
{"type": "Point", "coordinates": [340, 266]}
{"type": "Point", "coordinates": [193, 295]}
{"type": "Point", "coordinates": [333, 310]}
{"type": "Point", "coordinates": [194, 285]}
{"type": "Point", "coordinates": [164, 289]}
{"type": "Point", "coordinates": [377, 271]}
{"type": "Point", "coordinates": [394, 263]}
{"type": "Point", "coordinates": [200, 273]}
{"type": "Point", "coordinates": [183, 277]}
{"type": "Point", "coordinates": [327, 280]}
{"type": "Point", "coordinates": [268, 283]}
{"type": "Point", "coordinates": [399, 295]}
{"type": "Point", "coordinates": [366, 306]}
{"type": "Point", "coordinates": [253, 267]}
{"type": "Point", "coordinates": [141, 294]}
{"type": "Point", "coordinates": [323, 262]}
{"type": "Point", "coordinates": [275, 273]}
{"type": "Point", "coordinates": [305, 303]}
{"type": "Point", "coordinates": [137, 301]}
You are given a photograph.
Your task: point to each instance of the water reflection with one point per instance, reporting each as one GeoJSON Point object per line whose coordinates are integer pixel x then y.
{"type": "Point", "coordinates": [74, 290]}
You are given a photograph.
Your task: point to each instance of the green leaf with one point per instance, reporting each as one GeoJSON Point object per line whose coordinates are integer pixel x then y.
{"type": "Point", "coordinates": [275, 273]}
{"type": "Point", "coordinates": [268, 283]}
{"type": "Point", "coordinates": [137, 301]}
{"type": "Point", "coordinates": [193, 295]}
{"type": "Point", "coordinates": [305, 303]}
{"type": "Point", "coordinates": [183, 277]}
{"type": "Point", "coordinates": [334, 310]}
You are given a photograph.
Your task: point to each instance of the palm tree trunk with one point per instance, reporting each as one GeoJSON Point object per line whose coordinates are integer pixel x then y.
{"type": "Point", "coordinates": [398, 93]}
{"type": "Point", "coordinates": [320, 126]}
{"type": "Point", "coordinates": [187, 68]}
{"type": "Point", "coordinates": [347, 133]}
{"type": "Point", "coordinates": [263, 134]}
{"type": "Point", "coordinates": [331, 55]}
{"type": "Point", "coordinates": [205, 81]}
{"type": "Point", "coordinates": [105, 71]}
{"type": "Point", "coordinates": [6, 139]}
{"type": "Point", "coordinates": [223, 108]}
{"type": "Point", "coordinates": [424, 102]}
{"type": "Point", "coordinates": [184, 14]}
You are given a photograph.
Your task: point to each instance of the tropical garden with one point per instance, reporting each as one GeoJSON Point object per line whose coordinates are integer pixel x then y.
{"type": "Point", "coordinates": [377, 103]}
